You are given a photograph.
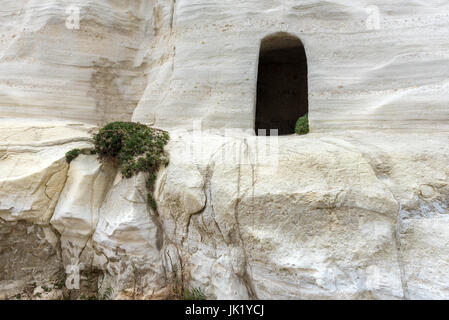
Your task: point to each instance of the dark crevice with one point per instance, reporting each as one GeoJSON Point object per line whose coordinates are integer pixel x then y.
{"type": "Point", "coordinates": [282, 89]}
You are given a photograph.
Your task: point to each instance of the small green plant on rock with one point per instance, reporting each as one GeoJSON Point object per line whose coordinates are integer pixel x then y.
{"type": "Point", "coordinates": [72, 154]}
{"type": "Point", "coordinates": [302, 125]}
{"type": "Point", "coordinates": [194, 294]}
{"type": "Point", "coordinates": [46, 289]}
{"type": "Point", "coordinates": [59, 284]}
{"type": "Point", "coordinates": [107, 294]}
{"type": "Point", "coordinates": [135, 148]}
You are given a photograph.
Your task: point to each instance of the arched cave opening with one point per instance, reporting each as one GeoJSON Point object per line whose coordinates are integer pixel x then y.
{"type": "Point", "coordinates": [282, 90]}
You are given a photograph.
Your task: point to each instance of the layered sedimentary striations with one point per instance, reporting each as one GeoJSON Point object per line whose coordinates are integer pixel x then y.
{"type": "Point", "coordinates": [357, 209]}
{"type": "Point", "coordinates": [53, 67]}
{"type": "Point", "coordinates": [371, 64]}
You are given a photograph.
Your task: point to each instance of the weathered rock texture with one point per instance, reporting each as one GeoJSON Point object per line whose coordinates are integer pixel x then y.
{"type": "Point", "coordinates": [371, 64]}
{"type": "Point", "coordinates": [50, 69]}
{"type": "Point", "coordinates": [352, 216]}
{"type": "Point", "coordinates": [358, 209]}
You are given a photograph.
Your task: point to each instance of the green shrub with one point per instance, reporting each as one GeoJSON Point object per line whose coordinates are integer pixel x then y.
{"type": "Point", "coordinates": [194, 294]}
{"type": "Point", "coordinates": [135, 148]}
{"type": "Point", "coordinates": [302, 125]}
{"type": "Point", "coordinates": [72, 154]}
{"type": "Point", "coordinates": [107, 294]}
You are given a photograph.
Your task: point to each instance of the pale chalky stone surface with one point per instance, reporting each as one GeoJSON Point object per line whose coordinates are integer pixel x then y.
{"type": "Point", "coordinates": [357, 209]}
{"type": "Point", "coordinates": [50, 67]}
{"type": "Point", "coordinates": [342, 216]}
{"type": "Point", "coordinates": [371, 64]}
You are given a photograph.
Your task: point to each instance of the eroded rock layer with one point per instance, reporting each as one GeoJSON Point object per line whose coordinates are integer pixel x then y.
{"type": "Point", "coordinates": [347, 216]}
{"type": "Point", "coordinates": [371, 64]}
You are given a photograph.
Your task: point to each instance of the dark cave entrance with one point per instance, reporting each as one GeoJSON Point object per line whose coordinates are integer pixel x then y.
{"type": "Point", "coordinates": [282, 90]}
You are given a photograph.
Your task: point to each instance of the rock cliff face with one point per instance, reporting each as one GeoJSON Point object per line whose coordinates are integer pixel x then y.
{"type": "Point", "coordinates": [349, 216]}
{"type": "Point", "coordinates": [53, 67]}
{"type": "Point", "coordinates": [357, 209]}
{"type": "Point", "coordinates": [371, 64]}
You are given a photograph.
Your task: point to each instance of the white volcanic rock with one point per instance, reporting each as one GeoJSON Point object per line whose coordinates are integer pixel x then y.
{"type": "Point", "coordinates": [77, 212]}
{"type": "Point", "coordinates": [322, 222]}
{"type": "Point", "coordinates": [33, 171]}
{"type": "Point", "coordinates": [336, 214]}
{"type": "Point", "coordinates": [33, 168]}
{"type": "Point", "coordinates": [316, 224]}
{"type": "Point", "coordinates": [128, 238]}
{"type": "Point", "coordinates": [51, 69]}
{"type": "Point", "coordinates": [341, 216]}
{"type": "Point", "coordinates": [371, 64]}
{"type": "Point", "coordinates": [415, 168]}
